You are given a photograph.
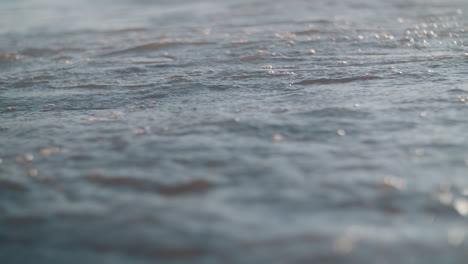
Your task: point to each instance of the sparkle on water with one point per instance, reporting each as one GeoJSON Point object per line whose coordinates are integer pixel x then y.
{"type": "Point", "coordinates": [137, 131]}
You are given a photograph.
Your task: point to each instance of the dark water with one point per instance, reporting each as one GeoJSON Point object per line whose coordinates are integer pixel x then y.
{"type": "Point", "coordinates": [233, 132]}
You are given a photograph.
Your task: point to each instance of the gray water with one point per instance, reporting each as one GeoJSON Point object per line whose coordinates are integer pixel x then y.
{"type": "Point", "coordinates": [233, 132]}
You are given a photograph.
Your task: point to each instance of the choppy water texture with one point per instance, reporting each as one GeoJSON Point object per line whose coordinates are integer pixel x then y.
{"type": "Point", "coordinates": [233, 131]}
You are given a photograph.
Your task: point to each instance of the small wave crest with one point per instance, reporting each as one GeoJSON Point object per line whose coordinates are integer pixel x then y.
{"type": "Point", "coordinates": [146, 185]}
{"type": "Point", "coordinates": [158, 45]}
{"type": "Point", "coordinates": [337, 80]}
{"type": "Point", "coordinates": [7, 57]}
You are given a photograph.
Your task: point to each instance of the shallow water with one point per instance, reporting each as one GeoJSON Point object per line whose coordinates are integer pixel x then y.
{"type": "Point", "coordinates": [235, 132]}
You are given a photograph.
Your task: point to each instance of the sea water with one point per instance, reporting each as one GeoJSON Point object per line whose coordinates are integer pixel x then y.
{"type": "Point", "coordinates": [234, 131]}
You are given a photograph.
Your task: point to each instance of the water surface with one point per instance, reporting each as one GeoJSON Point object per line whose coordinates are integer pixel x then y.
{"type": "Point", "coordinates": [233, 132]}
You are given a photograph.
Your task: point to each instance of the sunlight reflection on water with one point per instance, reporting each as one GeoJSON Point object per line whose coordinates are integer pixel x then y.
{"type": "Point", "coordinates": [235, 131]}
